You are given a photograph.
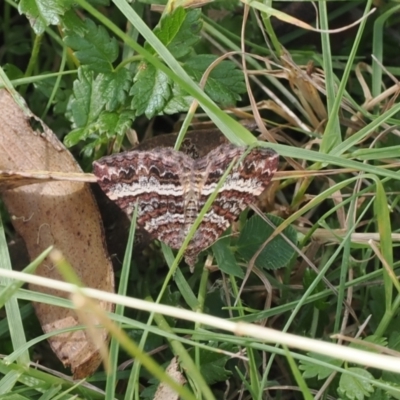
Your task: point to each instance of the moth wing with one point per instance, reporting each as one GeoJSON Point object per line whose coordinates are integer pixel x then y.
{"type": "Point", "coordinates": [244, 183]}
{"type": "Point", "coordinates": [153, 180]}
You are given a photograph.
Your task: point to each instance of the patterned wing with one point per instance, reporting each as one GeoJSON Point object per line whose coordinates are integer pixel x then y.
{"type": "Point", "coordinates": [154, 180]}
{"type": "Point", "coordinates": [243, 184]}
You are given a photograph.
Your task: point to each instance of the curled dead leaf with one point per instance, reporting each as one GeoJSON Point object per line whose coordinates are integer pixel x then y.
{"type": "Point", "coordinates": [61, 214]}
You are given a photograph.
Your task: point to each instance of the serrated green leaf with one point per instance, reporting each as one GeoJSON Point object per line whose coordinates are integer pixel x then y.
{"type": "Point", "coordinates": [109, 125]}
{"type": "Point", "coordinates": [93, 47]}
{"type": "Point", "coordinates": [225, 259]}
{"type": "Point", "coordinates": [72, 22]}
{"type": "Point", "coordinates": [214, 371]}
{"type": "Point", "coordinates": [74, 137]}
{"type": "Point", "coordinates": [277, 253]}
{"type": "Point", "coordinates": [313, 370]}
{"type": "Point", "coordinates": [225, 83]}
{"type": "Point", "coordinates": [125, 120]}
{"type": "Point", "coordinates": [179, 31]}
{"type": "Point", "coordinates": [115, 86]}
{"type": "Point", "coordinates": [151, 91]}
{"type": "Point", "coordinates": [113, 123]}
{"type": "Point", "coordinates": [212, 364]}
{"type": "Point", "coordinates": [42, 13]}
{"type": "Point", "coordinates": [356, 388]}
{"type": "Point", "coordinates": [107, 121]}
{"type": "Point", "coordinates": [87, 100]}
{"type": "Point", "coordinates": [179, 102]}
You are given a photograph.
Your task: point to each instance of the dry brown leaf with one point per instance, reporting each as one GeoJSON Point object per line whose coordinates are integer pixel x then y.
{"type": "Point", "coordinates": [61, 214]}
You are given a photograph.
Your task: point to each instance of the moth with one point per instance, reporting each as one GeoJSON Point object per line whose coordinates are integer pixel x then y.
{"type": "Point", "coordinates": [170, 189]}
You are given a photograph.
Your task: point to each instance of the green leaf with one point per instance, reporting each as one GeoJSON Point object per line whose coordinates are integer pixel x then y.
{"type": "Point", "coordinates": [46, 86]}
{"type": "Point", "coordinates": [151, 91]}
{"type": "Point", "coordinates": [42, 13]}
{"type": "Point", "coordinates": [179, 102]}
{"type": "Point", "coordinates": [212, 368]}
{"type": "Point", "coordinates": [212, 364]}
{"type": "Point", "coordinates": [314, 370]}
{"type": "Point", "coordinates": [87, 100]}
{"type": "Point", "coordinates": [225, 83]}
{"type": "Point", "coordinates": [73, 23]}
{"type": "Point", "coordinates": [225, 259]}
{"type": "Point", "coordinates": [356, 388]}
{"type": "Point", "coordinates": [113, 123]}
{"type": "Point", "coordinates": [149, 392]}
{"type": "Point", "coordinates": [277, 253]}
{"type": "Point", "coordinates": [179, 31]}
{"type": "Point", "coordinates": [91, 95]}
{"type": "Point", "coordinates": [107, 121]}
{"type": "Point", "coordinates": [74, 137]}
{"type": "Point", "coordinates": [12, 71]}
{"type": "Point", "coordinates": [93, 46]}
{"type": "Point", "coordinates": [108, 125]}
{"type": "Point", "coordinates": [115, 86]}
